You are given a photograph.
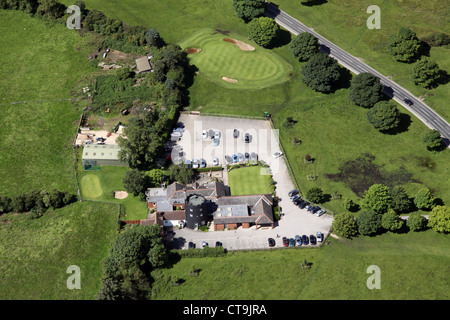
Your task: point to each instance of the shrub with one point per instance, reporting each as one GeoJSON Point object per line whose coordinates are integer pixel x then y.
{"type": "Point", "coordinates": [369, 223]}
{"type": "Point", "coordinates": [439, 219]}
{"type": "Point", "coordinates": [384, 116]}
{"type": "Point", "coordinates": [315, 195]}
{"type": "Point", "coordinates": [377, 199]}
{"type": "Point", "coordinates": [344, 224]}
{"type": "Point", "coordinates": [433, 141]}
{"type": "Point", "coordinates": [263, 31]}
{"type": "Point", "coordinates": [424, 200]}
{"type": "Point", "coordinates": [416, 222]}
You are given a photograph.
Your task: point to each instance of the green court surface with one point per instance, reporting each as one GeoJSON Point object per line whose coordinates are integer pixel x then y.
{"type": "Point", "coordinates": [249, 180]}
{"type": "Point", "coordinates": [217, 58]}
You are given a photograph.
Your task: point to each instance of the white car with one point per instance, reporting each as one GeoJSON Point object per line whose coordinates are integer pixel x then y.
{"type": "Point", "coordinates": [277, 154]}
{"type": "Point", "coordinates": [217, 134]}
{"type": "Point", "coordinates": [215, 161]}
{"type": "Point", "coordinates": [194, 163]}
{"type": "Point", "coordinates": [204, 134]}
{"type": "Point", "coordinates": [319, 236]}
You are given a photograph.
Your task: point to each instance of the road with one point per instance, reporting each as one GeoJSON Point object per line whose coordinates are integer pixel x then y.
{"type": "Point", "coordinates": [423, 112]}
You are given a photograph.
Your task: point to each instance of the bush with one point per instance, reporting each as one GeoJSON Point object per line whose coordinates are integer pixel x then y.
{"type": "Point", "coordinates": [369, 223]}
{"type": "Point", "coordinates": [424, 200]}
{"type": "Point", "coordinates": [416, 222]}
{"type": "Point", "coordinates": [344, 224]}
{"type": "Point", "coordinates": [384, 116]}
{"type": "Point", "coordinates": [213, 252]}
{"type": "Point", "coordinates": [439, 219]}
{"type": "Point", "coordinates": [315, 195]}
{"type": "Point", "coordinates": [263, 31]}
{"type": "Point", "coordinates": [377, 199]}
{"type": "Point", "coordinates": [433, 141]}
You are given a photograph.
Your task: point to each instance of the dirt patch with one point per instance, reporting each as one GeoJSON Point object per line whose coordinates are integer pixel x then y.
{"type": "Point", "coordinates": [120, 194]}
{"type": "Point", "coordinates": [242, 45]}
{"type": "Point", "coordinates": [229, 80]}
{"type": "Point", "coordinates": [193, 50]}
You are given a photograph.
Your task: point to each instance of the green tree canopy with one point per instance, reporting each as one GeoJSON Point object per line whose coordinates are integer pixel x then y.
{"type": "Point", "coordinates": [426, 73]}
{"type": "Point", "coordinates": [432, 140]}
{"type": "Point", "coordinates": [248, 10]}
{"type": "Point", "coordinates": [369, 223]}
{"type": "Point", "coordinates": [384, 116]}
{"type": "Point", "coordinates": [416, 222]}
{"type": "Point", "coordinates": [315, 195]}
{"type": "Point", "coordinates": [135, 182]}
{"type": "Point", "coordinates": [321, 73]}
{"type": "Point", "coordinates": [424, 200]}
{"type": "Point", "coordinates": [365, 90]}
{"type": "Point", "coordinates": [344, 224]}
{"type": "Point", "coordinates": [401, 202]}
{"type": "Point", "coordinates": [439, 219]}
{"type": "Point", "coordinates": [404, 45]}
{"type": "Point", "coordinates": [377, 199]}
{"type": "Point", "coordinates": [391, 221]}
{"type": "Point", "coordinates": [181, 173]}
{"type": "Point", "coordinates": [264, 31]}
{"type": "Point", "coordinates": [304, 46]}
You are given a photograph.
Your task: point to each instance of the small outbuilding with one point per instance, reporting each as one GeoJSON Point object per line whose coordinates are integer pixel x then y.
{"type": "Point", "coordinates": [143, 65]}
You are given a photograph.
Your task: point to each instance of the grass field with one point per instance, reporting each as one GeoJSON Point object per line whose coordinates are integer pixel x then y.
{"type": "Point", "coordinates": [248, 180]}
{"type": "Point", "coordinates": [413, 266]}
{"type": "Point", "coordinates": [256, 69]}
{"type": "Point", "coordinates": [42, 68]}
{"type": "Point", "coordinates": [35, 254]}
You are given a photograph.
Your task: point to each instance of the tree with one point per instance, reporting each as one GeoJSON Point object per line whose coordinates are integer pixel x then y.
{"type": "Point", "coordinates": [344, 224]}
{"type": "Point", "coordinates": [181, 173]}
{"type": "Point", "coordinates": [124, 73]}
{"type": "Point", "coordinates": [321, 73]}
{"type": "Point", "coordinates": [439, 219]}
{"type": "Point", "coordinates": [304, 46]}
{"type": "Point", "coordinates": [416, 222]}
{"type": "Point", "coordinates": [401, 202]}
{"type": "Point", "coordinates": [391, 221]}
{"type": "Point", "coordinates": [263, 31]}
{"type": "Point", "coordinates": [153, 38]}
{"type": "Point", "coordinates": [248, 10]}
{"type": "Point", "coordinates": [424, 200]}
{"type": "Point", "coordinates": [350, 205]}
{"type": "Point", "coordinates": [426, 73]}
{"type": "Point", "coordinates": [377, 199]}
{"type": "Point", "coordinates": [155, 177]}
{"type": "Point", "coordinates": [365, 90]}
{"type": "Point", "coordinates": [51, 8]}
{"type": "Point", "coordinates": [5, 204]}
{"type": "Point", "coordinates": [369, 223]}
{"type": "Point", "coordinates": [404, 45]}
{"type": "Point", "coordinates": [315, 195]}
{"type": "Point", "coordinates": [433, 141]}
{"type": "Point", "coordinates": [384, 116]}
{"type": "Point", "coordinates": [135, 182]}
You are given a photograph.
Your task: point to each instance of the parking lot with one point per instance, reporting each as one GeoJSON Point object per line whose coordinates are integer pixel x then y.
{"type": "Point", "coordinates": [294, 221]}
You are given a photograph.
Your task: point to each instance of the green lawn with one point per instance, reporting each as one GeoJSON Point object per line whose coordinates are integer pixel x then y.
{"type": "Point", "coordinates": [248, 180]}
{"type": "Point", "coordinates": [35, 253]}
{"type": "Point", "coordinates": [256, 69]}
{"type": "Point", "coordinates": [412, 265]}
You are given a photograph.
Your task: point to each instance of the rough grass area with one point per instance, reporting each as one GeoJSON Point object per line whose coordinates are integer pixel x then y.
{"type": "Point", "coordinates": [35, 254]}
{"type": "Point", "coordinates": [248, 180]}
{"type": "Point", "coordinates": [41, 64]}
{"type": "Point", "coordinates": [413, 266]}
{"type": "Point", "coordinates": [256, 69]}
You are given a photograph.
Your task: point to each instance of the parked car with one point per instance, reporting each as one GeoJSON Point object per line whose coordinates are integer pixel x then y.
{"type": "Point", "coordinates": [291, 242]}
{"type": "Point", "coordinates": [254, 156]}
{"type": "Point", "coordinates": [303, 204]}
{"type": "Point", "coordinates": [204, 134]}
{"type": "Point", "coordinates": [215, 161]}
{"type": "Point", "coordinates": [298, 240]}
{"type": "Point", "coordinates": [235, 133]}
{"type": "Point", "coordinates": [179, 125]}
{"type": "Point", "coordinates": [194, 163]}
{"type": "Point", "coordinates": [191, 245]}
{"type": "Point", "coordinates": [217, 134]}
{"type": "Point", "coordinates": [320, 212]}
{"type": "Point", "coordinates": [240, 157]}
{"type": "Point", "coordinates": [228, 159]}
{"type": "Point", "coordinates": [188, 163]}
{"type": "Point", "coordinates": [216, 142]}
{"type": "Point", "coordinates": [202, 163]}
{"type": "Point", "coordinates": [277, 154]}
{"type": "Point", "coordinates": [271, 242]}
{"type": "Point", "coordinates": [285, 242]}
{"type": "Point", "coordinates": [295, 197]}
{"type": "Point", "coordinates": [305, 239]}
{"type": "Point", "coordinates": [247, 138]}
{"type": "Point", "coordinates": [293, 193]}
{"type": "Point", "coordinates": [312, 239]}
{"type": "Point", "coordinates": [204, 244]}
{"type": "Point", "coordinates": [211, 134]}
{"type": "Point", "coordinates": [308, 207]}
{"type": "Point", "coordinates": [176, 133]}
{"type": "Point", "coordinates": [247, 156]}
{"type": "Point", "coordinates": [315, 209]}
{"type": "Point", "coordinates": [181, 130]}
{"type": "Point", "coordinates": [319, 236]}
{"type": "Point", "coordinates": [218, 244]}
{"type": "Point", "coordinates": [297, 202]}
{"type": "Point", "coordinates": [235, 159]}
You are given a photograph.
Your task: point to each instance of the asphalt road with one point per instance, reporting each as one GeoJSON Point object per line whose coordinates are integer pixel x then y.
{"type": "Point", "coordinates": [423, 112]}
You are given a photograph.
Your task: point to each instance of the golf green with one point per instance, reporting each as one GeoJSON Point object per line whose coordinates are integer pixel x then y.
{"type": "Point", "coordinates": [217, 57]}
{"type": "Point", "coordinates": [91, 187]}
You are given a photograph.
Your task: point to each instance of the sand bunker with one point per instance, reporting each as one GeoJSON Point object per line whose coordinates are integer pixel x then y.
{"type": "Point", "coordinates": [229, 80]}
{"type": "Point", "coordinates": [192, 50]}
{"type": "Point", "coordinates": [120, 194]}
{"type": "Point", "coordinates": [243, 46]}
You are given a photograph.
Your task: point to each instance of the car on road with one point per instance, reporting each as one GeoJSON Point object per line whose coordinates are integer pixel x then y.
{"type": "Point", "coordinates": [191, 245]}
{"type": "Point", "coordinates": [215, 161]}
{"type": "Point", "coordinates": [218, 244]}
{"type": "Point", "coordinates": [235, 159]}
{"type": "Point", "coordinates": [312, 239]}
{"type": "Point", "coordinates": [408, 102]}
{"type": "Point", "coordinates": [216, 142]}
{"type": "Point", "coordinates": [202, 163]}
{"type": "Point", "coordinates": [298, 240]}
{"type": "Point", "coordinates": [293, 193]}
{"type": "Point", "coordinates": [271, 242]}
{"type": "Point", "coordinates": [217, 134]}
{"type": "Point", "coordinates": [188, 164]}
{"type": "Point", "coordinates": [204, 244]}
{"type": "Point", "coordinates": [240, 157]}
{"type": "Point", "coordinates": [285, 242]}
{"type": "Point", "coordinates": [277, 154]}
{"type": "Point", "coordinates": [194, 163]}
{"type": "Point", "coordinates": [291, 242]}
{"type": "Point", "coordinates": [247, 138]}
{"type": "Point", "coordinates": [319, 236]}
{"type": "Point", "coordinates": [305, 239]}
{"type": "Point", "coordinates": [235, 133]}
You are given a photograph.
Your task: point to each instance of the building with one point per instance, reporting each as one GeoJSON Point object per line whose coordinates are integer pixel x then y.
{"type": "Point", "coordinates": [143, 65]}
{"type": "Point", "coordinates": [101, 155]}
{"type": "Point", "coordinates": [197, 205]}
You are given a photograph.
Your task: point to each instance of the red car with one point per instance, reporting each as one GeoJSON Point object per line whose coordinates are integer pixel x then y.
{"type": "Point", "coordinates": [285, 242]}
